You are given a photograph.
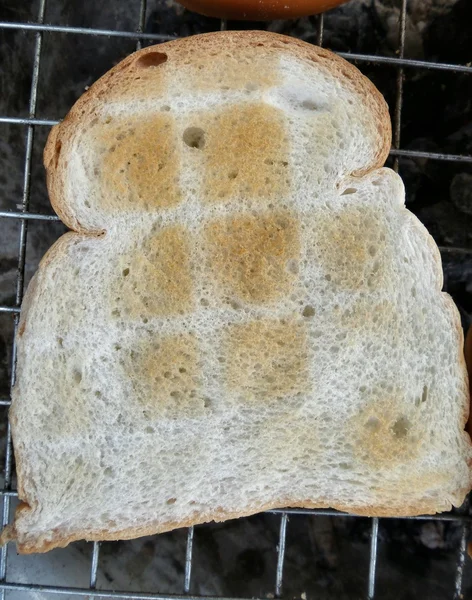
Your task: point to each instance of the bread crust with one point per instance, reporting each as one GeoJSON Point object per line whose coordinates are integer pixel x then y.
{"type": "Point", "coordinates": [40, 545]}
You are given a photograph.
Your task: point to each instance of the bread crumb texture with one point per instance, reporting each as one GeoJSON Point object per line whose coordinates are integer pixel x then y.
{"type": "Point", "coordinates": [245, 316]}
{"type": "Point", "coordinates": [267, 360]}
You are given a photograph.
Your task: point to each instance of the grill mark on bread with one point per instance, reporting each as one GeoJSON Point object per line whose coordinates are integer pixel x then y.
{"type": "Point", "coordinates": [350, 245]}
{"type": "Point", "coordinates": [165, 374]}
{"type": "Point", "coordinates": [249, 255]}
{"type": "Point", "coordinates": [246, 153]}
{"type": "Point", "coordinates": [266, 360]}
{"type": "Point", "coordinates": [154, 277]}
{"type": "Point", "coordinates": [139, 163]}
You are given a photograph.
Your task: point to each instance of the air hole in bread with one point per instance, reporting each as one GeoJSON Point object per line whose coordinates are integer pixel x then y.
{"type": "Point", "coordinates": [206, 402]}
{"type": "Point", "coordinates": [401, 427]}
{"type": "Point", "coordinates": [232, 174]}
{"type": "Point", "coordinates": [372, 423]}
{"type": "Point", "coordinates": [77, 376]}
{"type": "Point", "coordinates": [125, 272]}
{"type": "Point", "coordinates": [310, 105]}
{"type": "Point", "coordinates": [194, 137]}
{"type": "Point", "coordinates": [165, 108]}
{"type": "Point", "coordinates": [424, 395]}
{"type": "Point", "coordinates": [171, 501]}
{"type": "Point", "coordinates": [151, 59]}
{"type": "Point", "coordinates": [292, 266]}
{"type": "Point", "coordinates": [308, 311]}
{"type": "Point", "coordinates": [235, 304]}
{"type": "Point", "coordinates": [348, 191]}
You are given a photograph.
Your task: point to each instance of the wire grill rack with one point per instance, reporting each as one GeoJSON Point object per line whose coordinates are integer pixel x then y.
{"type": "Point", "coordinates": [24, 216]}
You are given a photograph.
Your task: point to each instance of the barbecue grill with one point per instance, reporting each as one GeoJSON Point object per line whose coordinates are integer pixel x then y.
{"type": "Point", "coordinates": [21, 215]}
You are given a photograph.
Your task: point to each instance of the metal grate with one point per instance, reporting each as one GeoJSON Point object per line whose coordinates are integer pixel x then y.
{"type": "Point", "coordinates": [24, 216]}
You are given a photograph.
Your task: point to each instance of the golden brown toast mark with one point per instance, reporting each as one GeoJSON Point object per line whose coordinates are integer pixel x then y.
{"type": "Point", "coordinates": [387, 432]}
{"type": "Point", "coordinates": [247, 72]}
{"type": "Point", "coordinates": [165, 372]}
{"type": "Point", "coordinates": [251, 255]}
{"type": "Point", "coordinates": [351, 246]}
{"type": "Point", "coordinates": [266, 360]}
{"type": "Point", "coordinates": [139, 164]}
{"type": "Point", "coordinates": [154, 278]}
{"type": "Point", "coordinates": [246, 153]}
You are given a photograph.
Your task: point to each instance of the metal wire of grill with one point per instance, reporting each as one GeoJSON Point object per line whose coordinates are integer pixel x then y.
{"type": "Point", "coordinates": [24, 216]}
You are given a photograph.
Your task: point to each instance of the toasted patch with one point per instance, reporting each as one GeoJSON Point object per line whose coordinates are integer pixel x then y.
{"type": "Point", "coordinates": [387, 431]}
{"type": "Point", "coordinates": [233, 69]}
{"type": "Point", "coordinates": [143, 76]}
{"type": "Point", "coordinates": [165, 374]}
{"type": "Point", "coordinates": [266, 360]}
{"type": "Point", "coordinates": [154, 278]}
{"type": "Point", "coordinates": [246, 153]}
{"type": "Point", "coordinates": [137, 162]}
{"type": "Point", "coordinates": [251, 255]}
{"type": "Point", "coordinates": [350, 246]}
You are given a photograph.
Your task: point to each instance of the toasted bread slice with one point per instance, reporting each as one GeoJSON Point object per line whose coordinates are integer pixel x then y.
{"type": "Point", "coordinates": [245, 316]}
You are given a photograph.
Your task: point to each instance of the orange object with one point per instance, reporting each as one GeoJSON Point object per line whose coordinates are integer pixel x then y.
{"type": "Point", "coordinates": [259, 10]}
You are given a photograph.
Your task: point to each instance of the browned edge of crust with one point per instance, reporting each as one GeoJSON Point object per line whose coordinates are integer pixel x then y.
{"type": "Point", "coordinates": [61, 540]}
{"type": "Point", "coordinates": [220, 40]}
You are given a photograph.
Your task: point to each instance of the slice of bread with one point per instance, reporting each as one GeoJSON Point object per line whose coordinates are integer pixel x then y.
{"type": "Point", "coordinates": [245, 316]}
